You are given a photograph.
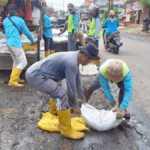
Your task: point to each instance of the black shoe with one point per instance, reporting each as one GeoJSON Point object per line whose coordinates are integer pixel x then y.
{"type": "Point", "coordinates": [121, 44]}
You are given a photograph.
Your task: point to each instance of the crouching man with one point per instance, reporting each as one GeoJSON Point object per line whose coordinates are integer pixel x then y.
{"type": "Point", "coordinates": [117, 71]}
{"type": "Point", "coordinates": [43, 76]}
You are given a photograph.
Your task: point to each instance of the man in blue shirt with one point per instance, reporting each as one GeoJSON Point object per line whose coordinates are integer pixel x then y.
{"type": "Point", "coordinates": [117, 71]}
{"type": "Point", "coordinates": [72, 28]}
{"type": "Point", "coordinates": [14, 26]}
{"type": "Point", "coordinates": [47, 32]}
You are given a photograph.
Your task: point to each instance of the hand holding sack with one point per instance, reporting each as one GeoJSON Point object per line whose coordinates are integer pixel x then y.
{"type": "Point", "coordinates": [120, 113]}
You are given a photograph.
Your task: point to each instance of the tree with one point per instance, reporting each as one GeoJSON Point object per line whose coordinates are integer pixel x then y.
{"type": "Point", "coordinates": [105, 15]}
{"type": "Point", "coordinates": [144, 3]}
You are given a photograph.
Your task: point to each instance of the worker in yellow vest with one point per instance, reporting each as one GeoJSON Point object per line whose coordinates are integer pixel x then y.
{"type": "Point", "coordinates": [95, 30]}
{"type": "Point", "coordinates": [72, 28]}
{"type": "Point", "coordinates": [117, 72]}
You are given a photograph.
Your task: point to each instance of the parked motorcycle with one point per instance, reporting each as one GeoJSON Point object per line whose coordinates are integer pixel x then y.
{"type": "Point", "coordinates": [113, 41]}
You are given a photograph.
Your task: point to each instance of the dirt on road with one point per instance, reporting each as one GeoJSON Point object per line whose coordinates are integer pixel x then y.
{"type": "Point", "coordinates": [22, 108]}
{"type": "Point", "coordinates": [134, 29]}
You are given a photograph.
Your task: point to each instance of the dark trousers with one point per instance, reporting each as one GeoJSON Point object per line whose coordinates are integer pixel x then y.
{"type": "Point", "coordinates": [96, 84]}
{"type": "Point", "coordinates": [48, 43]}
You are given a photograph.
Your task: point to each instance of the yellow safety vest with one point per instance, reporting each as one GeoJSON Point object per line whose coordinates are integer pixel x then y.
{"type": "Point", "coordinates": [93, 28]}
{"type": "Point", "coordinates": [71, 25]}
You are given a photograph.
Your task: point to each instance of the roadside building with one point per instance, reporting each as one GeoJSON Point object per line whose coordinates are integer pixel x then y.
{"type": "Point", "coordinates": [134, 5]}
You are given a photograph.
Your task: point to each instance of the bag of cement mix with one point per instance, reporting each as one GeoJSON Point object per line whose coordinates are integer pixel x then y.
{"type": "Point", "coordinates": [100, 120]}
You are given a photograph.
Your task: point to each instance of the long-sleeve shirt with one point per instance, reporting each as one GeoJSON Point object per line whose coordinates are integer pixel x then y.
{"type": "Point", "coordinates": [62, 65]}
{"type": "Point", "coordinates": [111, 26]}
{"type": "Point", "coordinates": [97, 22]}
{"type": "Point", "coordinates": [75, 20]}
{"type": "Point", "coordinates": [12, 33]}
{"type": "Point", "coordinates": [128, 86]}
{"type": "Point", "coordinates": [47, 29]}
{"type": "Point", "coordinates": [65, 28]}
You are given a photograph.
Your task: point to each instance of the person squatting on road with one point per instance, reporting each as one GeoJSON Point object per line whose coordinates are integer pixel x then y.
{"type": "Point", "coordinates": [117, 71]}
{"type": "Point", "coordinates": [47, 32]}
{"type": "Point", "coordinates": [80, 34]}
{"type": "Point", "coordinates": [14, 26]}
{"type": "Point", "coordinates": [95, 30]}
{"type": "Point", "coordinates": [43, 76]}
{"type": "Point", "coordinates": [111, 24]}
{"type": "Point", "coordinates": [72, 27]}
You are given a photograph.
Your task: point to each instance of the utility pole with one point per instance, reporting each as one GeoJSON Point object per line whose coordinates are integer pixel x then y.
{"type": "Point", "coordinates": [63, 4]}
{"type": "Point", "coordinates": [109, 5]}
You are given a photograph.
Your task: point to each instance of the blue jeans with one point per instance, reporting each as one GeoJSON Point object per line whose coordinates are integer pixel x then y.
{"type": "Point", "coordinates": [48, 43]}
{"type": "Point", "coordinates": [96, 43]}
{"type": "Point", "coordinates": [71, 44]}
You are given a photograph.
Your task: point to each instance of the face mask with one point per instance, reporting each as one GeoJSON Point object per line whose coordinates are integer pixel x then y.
{"type": "Point", "coordinates": [70, 10]}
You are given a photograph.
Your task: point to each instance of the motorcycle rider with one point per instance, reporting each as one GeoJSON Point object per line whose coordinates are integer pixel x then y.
{"type": "Point", "coordinates": [111, 24]}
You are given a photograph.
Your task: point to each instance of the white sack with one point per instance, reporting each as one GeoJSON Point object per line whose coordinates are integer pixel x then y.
{"type": "Point", "coordinates": [90, 69]}
{"type": "Point", "coordinates": [100, 120]}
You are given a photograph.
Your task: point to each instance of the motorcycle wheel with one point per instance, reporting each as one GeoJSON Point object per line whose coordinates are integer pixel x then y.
{"type": "Point", "coordinates": [116, 51]}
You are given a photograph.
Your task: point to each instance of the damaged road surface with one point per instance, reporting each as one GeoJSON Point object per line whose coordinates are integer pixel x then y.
{"type": "Point", "coordinates": [22, 108]}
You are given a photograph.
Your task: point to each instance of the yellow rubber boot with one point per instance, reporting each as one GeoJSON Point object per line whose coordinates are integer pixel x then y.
{"type": "Point", "coordinates": [52, 107]}
{"type": "Point", "coordinates": [46, 53]}
{"type": "Point", "coordinates": [15, 74]}
{"type": "Point", "coordinates": [52, 52]}
{"type": "Point", "coordinates": [20, 81]}
{"type": "Point", "coordinates": [64, 118]}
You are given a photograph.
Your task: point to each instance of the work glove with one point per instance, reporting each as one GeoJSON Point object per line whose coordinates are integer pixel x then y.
{"type": "Point", "coordinates": [120, 113]}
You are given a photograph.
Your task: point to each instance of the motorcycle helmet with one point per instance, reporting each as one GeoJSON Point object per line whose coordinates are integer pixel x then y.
{"type": "Point", "coordinates": [93, 9]}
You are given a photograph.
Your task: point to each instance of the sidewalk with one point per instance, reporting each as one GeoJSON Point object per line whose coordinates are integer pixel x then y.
{"type": "Point", "coordinates": [134, 29]}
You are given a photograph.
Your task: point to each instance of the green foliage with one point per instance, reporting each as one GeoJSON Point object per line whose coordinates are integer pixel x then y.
{"type": "Point", "coordinates": [116, 12]}
{"type": "Point", "coordinates": [105, 15]}
{"type": "Point", "coordinates": [144, 3]}
{"type": "Point", "coordinates": [132, 18]}
{"type": "Point", "coordinates": [121, 19]}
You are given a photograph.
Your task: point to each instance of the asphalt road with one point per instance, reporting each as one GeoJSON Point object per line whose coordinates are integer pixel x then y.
{"type": "Point", "coordinates": [136, 53]}
{"type": "Point", "coordinates": [22, 108]}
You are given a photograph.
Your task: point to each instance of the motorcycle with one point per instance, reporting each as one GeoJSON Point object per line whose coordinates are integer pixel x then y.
{"type": "Point", "coordinates": [113, 41]}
